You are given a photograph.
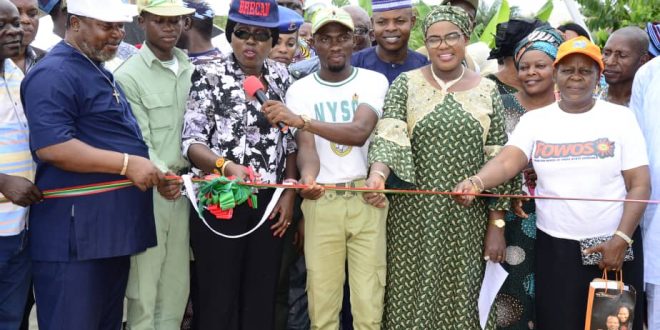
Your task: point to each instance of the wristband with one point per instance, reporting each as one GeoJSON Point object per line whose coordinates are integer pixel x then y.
{"type": "Point", "coordinates": [125, 166]}
{"type": "Point", "coordinates": [474, 184]}
{"type": "Point", "coordinates": [624, 237]}
{"type": "Point", "coordinates": [483, 186]}
{"type": "Point", "coordinates": [224, 166]}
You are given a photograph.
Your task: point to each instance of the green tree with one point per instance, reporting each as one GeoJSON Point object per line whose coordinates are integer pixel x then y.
{"type": "Point", "coordinates": [484, 15]}
{"type": "Point", "coordinates": [421, 9]}
{"type": "Point", "coordinates": [605, 16]}
{"type": "Point", "coordinates": [220, 21]}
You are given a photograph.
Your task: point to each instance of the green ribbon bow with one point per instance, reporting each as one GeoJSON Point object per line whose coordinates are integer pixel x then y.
{"type": "Point", "coordinates": [224, 193]}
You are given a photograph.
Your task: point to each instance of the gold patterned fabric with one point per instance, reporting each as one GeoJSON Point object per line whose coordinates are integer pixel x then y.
{"type": "Point", "coordinates": [435, 263]}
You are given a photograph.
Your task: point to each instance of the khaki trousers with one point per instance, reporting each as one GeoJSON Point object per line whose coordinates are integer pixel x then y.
{"type": "Point", "coordinates": [340, 226]}
{"type": "Point", "coordinates": [159, 279]}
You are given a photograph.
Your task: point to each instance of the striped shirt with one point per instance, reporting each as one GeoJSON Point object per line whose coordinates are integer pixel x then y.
{"type": "Point", "coordinates": [15, 157]}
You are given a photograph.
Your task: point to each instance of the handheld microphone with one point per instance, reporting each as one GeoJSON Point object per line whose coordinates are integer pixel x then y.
{"type": "Point", "coordinates": [253, 87]}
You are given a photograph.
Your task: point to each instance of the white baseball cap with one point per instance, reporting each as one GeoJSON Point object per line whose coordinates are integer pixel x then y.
{"type": "Point", "coordinates": [112, 11]}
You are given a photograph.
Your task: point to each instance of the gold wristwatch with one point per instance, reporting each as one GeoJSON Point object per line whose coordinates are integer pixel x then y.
{"type": "Point", "coordinates": [219, 163]}
{"type": "Point", "coordinates": [306, 121]}
{"type": "Point", "coordinates": [499, 223]}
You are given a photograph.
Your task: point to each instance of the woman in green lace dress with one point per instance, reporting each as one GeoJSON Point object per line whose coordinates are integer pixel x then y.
{"type": "Point", "coordinates": [440, 123]}
{"type": "Point", "coordinates": [533, 60]}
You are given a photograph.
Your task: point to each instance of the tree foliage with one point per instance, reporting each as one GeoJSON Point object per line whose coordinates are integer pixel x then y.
{"type": "Point", "coordinates": [484, 15]}
{"type": "Point", "coordinates": [605, 16]}
{"type": "Point", "coordinates": [502, 15]}
{"type": "Point", "coordinates": [220, 21]}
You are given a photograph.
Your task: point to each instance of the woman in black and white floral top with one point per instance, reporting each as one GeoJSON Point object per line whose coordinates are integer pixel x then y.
{"type": "Point", "coordinates": [221, 117]}
{"type": "Point", "coordinates": [225, 130]}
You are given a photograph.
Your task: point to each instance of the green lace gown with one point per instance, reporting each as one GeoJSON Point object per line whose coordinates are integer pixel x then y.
{"type": "Point", "coordinates": [434, 140]}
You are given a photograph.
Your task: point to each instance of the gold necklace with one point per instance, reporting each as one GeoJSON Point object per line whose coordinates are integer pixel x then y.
{"type": "Point", "coordinates": [444, 86]}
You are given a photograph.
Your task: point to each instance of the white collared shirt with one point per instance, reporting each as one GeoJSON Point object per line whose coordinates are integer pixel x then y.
{"type": "Point", "coordinates": [645, 102]}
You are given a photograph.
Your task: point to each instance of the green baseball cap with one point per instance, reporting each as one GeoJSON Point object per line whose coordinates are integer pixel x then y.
{"type": "Point", "coordinates": [164, 7]}
{"type": "Point", "coordinates": [328, 15]}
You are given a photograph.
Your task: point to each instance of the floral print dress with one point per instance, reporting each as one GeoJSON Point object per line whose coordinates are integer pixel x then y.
{"type": "Point", "coordinates": [220, 116]}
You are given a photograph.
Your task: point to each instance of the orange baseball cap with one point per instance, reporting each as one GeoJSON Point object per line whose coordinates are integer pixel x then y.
{"type": "Point", "coordinates": [580, 45]}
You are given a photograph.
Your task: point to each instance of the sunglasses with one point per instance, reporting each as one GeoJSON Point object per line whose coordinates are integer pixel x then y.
{"type": "Point", "coordinates": [257, 36]}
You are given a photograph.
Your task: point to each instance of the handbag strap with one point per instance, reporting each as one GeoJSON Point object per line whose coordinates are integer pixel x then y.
{"type": "Point", "coordinates": [618, 278]}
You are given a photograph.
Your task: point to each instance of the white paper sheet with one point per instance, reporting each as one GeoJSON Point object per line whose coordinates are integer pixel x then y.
{"type": "Point", "coordinates": [494, 277]}
{"type": "Point", "coordinates": [190, 190]}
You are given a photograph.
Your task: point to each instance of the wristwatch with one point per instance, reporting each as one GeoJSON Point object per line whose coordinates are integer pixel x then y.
{"type": "Point", "coordinates": [499, 223]}
{"type": "Point", "coordinates": [306, 121]}
{"type": "Point", "coordinates": [219, 163]}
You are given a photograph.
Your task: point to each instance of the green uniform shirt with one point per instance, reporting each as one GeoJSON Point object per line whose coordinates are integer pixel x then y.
{"type": "Point", "coordinates": [158, 99]}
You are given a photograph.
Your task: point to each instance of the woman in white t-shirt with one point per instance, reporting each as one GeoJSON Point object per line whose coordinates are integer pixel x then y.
{"type": "Point", "coordinates": [580, 147]}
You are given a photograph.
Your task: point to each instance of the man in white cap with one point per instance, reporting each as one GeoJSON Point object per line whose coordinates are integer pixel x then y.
{"type": "Point", "coordinates": [82, 132]}
{"type": "Point", "coordinates": [156, 82]}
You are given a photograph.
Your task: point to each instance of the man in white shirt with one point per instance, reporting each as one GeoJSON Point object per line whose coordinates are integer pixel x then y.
{"type": "Point", "coordinates": [644, 102]}
{"type": "Point", "coordinates": [335, 111]}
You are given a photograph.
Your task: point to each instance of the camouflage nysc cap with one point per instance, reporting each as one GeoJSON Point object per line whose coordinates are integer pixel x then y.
{"type": "Point", "coordinates": [329, 15]}
{"type": "Point", "coordinates": [164, 7]}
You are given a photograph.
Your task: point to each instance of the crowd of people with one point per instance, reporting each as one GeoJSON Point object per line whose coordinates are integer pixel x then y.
{"type": "Point", "coordinates": [345, 104]}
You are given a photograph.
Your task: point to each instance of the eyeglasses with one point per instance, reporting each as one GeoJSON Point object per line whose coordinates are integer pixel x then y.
{"type": "Point", "coordinates": [360, 31]}
{"type": "Point", "coordinates": [257, 35]}
{"type": "Point", "coordinates": [450, 39]}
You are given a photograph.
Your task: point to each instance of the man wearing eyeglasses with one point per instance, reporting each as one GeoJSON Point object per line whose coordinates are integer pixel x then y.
{"type": "Point", "coordinates": [392, 23]}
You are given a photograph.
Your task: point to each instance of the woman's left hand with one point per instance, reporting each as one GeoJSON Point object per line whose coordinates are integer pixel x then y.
{"type": "Point", "coordinates": [285, 208]}
{"type": "Point", "coordinates": [517, 207]}
{"type": "Point", "coordinates": [464, 187]}
{"type": "Point", "coordinates": [375, 199]}
{"type": "Point", "coordinates": [613, 252]}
